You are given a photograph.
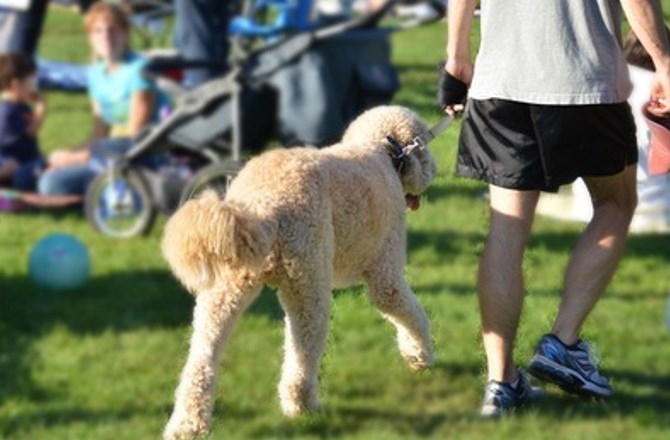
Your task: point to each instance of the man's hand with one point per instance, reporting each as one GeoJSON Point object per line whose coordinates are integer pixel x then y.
{"type": "Point", "coordinates": [660, 94]}
{"type": "Point", "coordinates": [646, 20]}
{"type": "Point", "coordinates": [455, 79]}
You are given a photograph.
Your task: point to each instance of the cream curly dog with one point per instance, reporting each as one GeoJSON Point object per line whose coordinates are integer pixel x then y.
{"type": "Point", "coordinates": [303, 221]}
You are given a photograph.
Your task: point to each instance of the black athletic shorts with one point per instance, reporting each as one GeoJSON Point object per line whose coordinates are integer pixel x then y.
{"type": "Point", "coordinates": [540, 147]}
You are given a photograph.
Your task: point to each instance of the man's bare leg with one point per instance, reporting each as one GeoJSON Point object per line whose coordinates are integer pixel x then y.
{"type": "Point", "coordinates": [500, 283]}
{"type": "Point", "coordinates": [598, 251]}
{"type": "Point", "coordinates": [560, 357]}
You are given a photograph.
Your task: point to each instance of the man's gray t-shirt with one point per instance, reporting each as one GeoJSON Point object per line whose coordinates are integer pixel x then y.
{"type": "Point", "coordinates": [562, 52]}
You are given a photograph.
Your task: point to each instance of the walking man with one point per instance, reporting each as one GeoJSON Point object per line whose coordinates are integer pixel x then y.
{"type": "Point", "coordinates": [546, 105]}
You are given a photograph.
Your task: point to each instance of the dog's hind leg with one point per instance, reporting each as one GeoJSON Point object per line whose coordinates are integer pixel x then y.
{"type": "Point", "coordinates": [390, 293]}
{"type": "Point", "coordinates": [213, 319]}
{"type": "Point", "coordinates": [307, 308]}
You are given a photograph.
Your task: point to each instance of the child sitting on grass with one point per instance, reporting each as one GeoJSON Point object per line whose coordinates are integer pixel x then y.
{"type": "Point", "coordinates": [22, 111]}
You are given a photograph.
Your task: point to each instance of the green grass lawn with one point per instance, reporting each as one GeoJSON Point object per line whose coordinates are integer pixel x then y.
{"type": "Point", "coordinates": [102, 362]}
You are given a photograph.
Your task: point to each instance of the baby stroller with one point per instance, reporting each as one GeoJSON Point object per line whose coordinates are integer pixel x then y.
{"type": "Point", "coordinates": [303, 88]}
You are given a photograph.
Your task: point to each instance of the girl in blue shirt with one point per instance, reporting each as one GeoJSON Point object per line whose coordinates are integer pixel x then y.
{"type": "Point", "coordinates": [123, 101]}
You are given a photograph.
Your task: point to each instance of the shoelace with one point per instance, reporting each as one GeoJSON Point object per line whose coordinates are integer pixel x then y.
{"type": "Point", "coordinates": [589, 358]}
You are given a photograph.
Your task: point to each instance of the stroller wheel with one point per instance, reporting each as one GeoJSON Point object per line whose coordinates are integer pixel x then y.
{"type": "Point", "coordinates": [120, 205]}
{"type": "Point", "coordinates": [216, 176]}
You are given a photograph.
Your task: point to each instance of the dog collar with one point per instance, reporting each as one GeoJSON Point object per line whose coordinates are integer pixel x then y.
{"type": "Point", "coordinates": [400, 153]}
{"type": "Point", "coordinates": [396, 152]}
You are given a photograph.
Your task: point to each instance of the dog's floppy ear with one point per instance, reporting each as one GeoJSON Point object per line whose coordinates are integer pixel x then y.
{"type": "Point", "coordinates": [418, 171]}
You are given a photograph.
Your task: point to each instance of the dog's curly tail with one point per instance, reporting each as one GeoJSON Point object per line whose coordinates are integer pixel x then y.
{"type": "Point", "coordinates": [207, 241]}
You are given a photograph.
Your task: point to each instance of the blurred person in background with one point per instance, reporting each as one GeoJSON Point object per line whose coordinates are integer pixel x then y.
{"type": "Point", "coordinates": [653, 191]}
{"type": "Point", "coordinates": [22, 112]}
{"type": "Point", "coordinates": [123, 102]}
{"type": "Point", "coordinates": [22, 21]}
{"type": "Point", "coordinates": [201, 33]}
{"type": "Point", "coordinates": [21, 27]}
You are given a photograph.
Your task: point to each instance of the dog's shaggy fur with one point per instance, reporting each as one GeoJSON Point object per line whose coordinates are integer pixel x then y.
{"type": "Point", "coordinates": [304, 221]}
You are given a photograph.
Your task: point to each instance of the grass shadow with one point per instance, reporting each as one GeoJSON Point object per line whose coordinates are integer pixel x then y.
{"type": "Point", "coordinates": [353, 415]}
{"type": "Point", "coordinates": [444, 243]}
{"type": "Point", "coordinates": [52, 418]}
{"type": "Point", "coordinates": [649, 408]}
{"type": "Point", "coordinates": [117, 302]}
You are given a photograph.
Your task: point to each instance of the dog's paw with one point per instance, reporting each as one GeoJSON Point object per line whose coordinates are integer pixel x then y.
{"type": "Point", "coordinates": [418, 357]}
{"type": "Point", "coordinates": [298, 400]}
{"type": "Point", "coordinates": [417, 351]}
{"type": "Point", "coordinates": [420, 362]}
{"type": "Point", "coordinates": [185, 428]}
{"type": "Point", "coordinates": [293, 409]}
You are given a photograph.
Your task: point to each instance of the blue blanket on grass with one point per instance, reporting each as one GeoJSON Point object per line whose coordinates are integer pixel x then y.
{"type": "Point", "coordinates": [60, 75]}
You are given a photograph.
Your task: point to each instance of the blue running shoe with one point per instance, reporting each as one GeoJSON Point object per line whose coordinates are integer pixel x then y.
{"type": "Point", "coordinates": [573, 368]}
{"type": "Point", "coordinates": [502, 398]}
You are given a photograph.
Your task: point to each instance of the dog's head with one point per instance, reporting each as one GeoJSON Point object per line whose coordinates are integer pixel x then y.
{"type": "Point", "coordinates": [404, 126]}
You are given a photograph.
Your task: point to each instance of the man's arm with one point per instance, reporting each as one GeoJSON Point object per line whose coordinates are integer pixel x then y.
{"type": "Point", "coordinates": [646, 20]}
{"type": "Point", "coordinates": [459, 63]}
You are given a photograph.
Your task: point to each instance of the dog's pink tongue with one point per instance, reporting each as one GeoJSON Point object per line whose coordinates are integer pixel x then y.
{"type": "Point", "coordinates": [412, 202]}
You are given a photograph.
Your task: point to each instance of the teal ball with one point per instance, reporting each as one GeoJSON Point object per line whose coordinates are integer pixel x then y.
{"type": "Point", "coordinates": [59, 262]}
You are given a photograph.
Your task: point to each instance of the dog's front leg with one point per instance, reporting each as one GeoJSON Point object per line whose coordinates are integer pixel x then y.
{"type": "Point", "coordinates": [307, 312]}
{"type": "Point", "coordinates": [213, 319]}
{"type": "Point", "coordinates": [390, 293]}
